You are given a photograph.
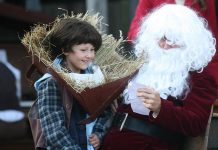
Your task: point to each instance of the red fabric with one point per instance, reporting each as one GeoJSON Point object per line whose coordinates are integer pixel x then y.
{"type": "Point", "coordinates": [145, 6]}
{"type": "Point", "coordinates": [129, 140]}
{"type": "Point", "coordinates": [190, 119]}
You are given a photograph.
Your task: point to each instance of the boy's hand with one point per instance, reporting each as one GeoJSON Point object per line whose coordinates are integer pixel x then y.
{"type": "Point", "coordinates": [94, 141]}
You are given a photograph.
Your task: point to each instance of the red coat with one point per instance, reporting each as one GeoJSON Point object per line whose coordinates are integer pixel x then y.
{"type": "Point", "coordinates": [190, 119]}
{"type": "Point", "coordinates": [145, 6]}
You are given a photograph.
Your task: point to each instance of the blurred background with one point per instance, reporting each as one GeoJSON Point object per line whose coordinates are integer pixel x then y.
{"type": "Point", "coordinates": [16, 18]}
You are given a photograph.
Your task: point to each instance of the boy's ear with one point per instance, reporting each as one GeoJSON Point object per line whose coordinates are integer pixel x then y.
{"type": "Point", "coordinates": [66, 53]}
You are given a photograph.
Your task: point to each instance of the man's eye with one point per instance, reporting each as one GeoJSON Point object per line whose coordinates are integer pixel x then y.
{"type": "Point", "coordinates": [166, 39]}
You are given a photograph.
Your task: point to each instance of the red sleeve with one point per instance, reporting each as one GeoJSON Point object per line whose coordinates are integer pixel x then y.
{"type": "Point", "coordinates": [143, 8]}
{"type": "Point", "coordinates": [191, 118]}
{"type": "Point", "coordinates": [210, 15]}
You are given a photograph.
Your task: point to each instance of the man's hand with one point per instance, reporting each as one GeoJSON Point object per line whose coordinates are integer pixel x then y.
{"type": "Point", "coordinates": [94, 141]}
{"type": "Point", "coordinates": [151, 98]}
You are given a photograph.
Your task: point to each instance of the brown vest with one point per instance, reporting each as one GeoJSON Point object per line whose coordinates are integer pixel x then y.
{"type": "Point", "coordinates": [33, 116]}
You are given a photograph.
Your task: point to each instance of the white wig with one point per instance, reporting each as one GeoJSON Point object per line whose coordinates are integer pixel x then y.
{"type": "Point", "coordinates": [168, 70]}
{"type": "Point", "coordinates": [182, 26]}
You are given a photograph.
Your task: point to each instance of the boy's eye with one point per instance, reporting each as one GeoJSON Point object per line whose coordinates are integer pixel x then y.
{"type": "Point", "coordinates": [87, 50]}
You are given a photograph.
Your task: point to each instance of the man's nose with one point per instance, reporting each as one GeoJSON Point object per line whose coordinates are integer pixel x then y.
{"type": "Point", "coordinates": [166, 46]}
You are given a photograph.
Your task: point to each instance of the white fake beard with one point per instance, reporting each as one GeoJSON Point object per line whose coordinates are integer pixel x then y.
{"type": "Point", "coordinates": [166, 72]}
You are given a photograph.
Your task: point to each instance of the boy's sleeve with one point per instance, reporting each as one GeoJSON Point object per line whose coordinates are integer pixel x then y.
{"type": "Point", "coordinates": [103, 123]}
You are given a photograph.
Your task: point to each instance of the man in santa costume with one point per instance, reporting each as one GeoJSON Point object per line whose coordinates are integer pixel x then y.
{"type": "Point", "coordinates": [171, 96]}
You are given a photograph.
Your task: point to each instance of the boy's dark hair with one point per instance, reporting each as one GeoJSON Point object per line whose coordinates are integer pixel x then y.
{"type": "Point", "coordinates": [71, 31]}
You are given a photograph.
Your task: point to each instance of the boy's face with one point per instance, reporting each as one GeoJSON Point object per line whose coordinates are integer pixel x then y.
{"type": "Point", "coordinates": [80, 57]}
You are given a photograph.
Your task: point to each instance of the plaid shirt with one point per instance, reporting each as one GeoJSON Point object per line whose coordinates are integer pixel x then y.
{"type": "Point", "coordinates": [103, 123]}
{"type": "Point", "coordinates": [52, 118]}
